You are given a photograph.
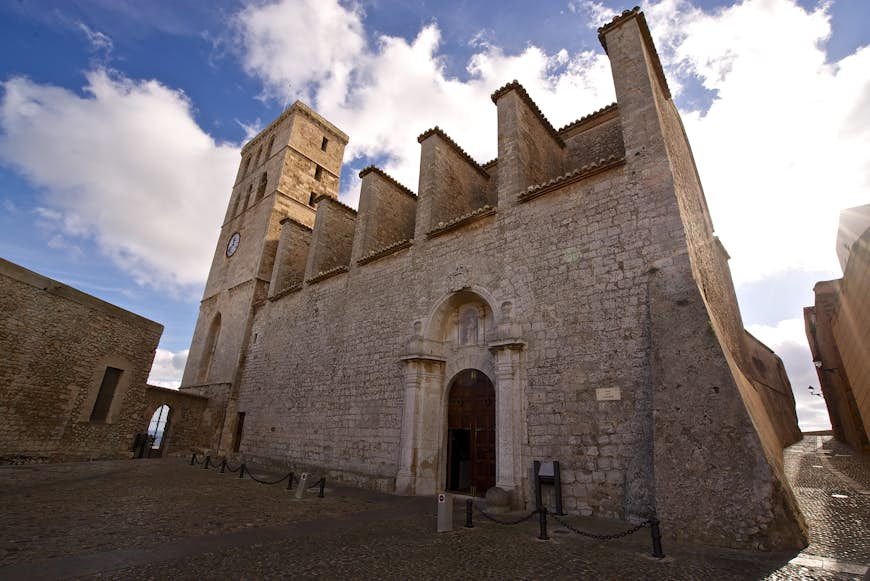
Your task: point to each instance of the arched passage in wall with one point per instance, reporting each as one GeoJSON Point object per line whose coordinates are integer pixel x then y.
{"type": "Point", "coordinates": [470, 433]}
{"type": "Point", "coordinates": [211, 340]}
{"type": "Point", "coordinates": [157, 429]}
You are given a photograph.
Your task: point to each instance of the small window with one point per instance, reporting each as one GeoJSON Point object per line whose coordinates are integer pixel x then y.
{"type": "Point", "coordinates": [257, 157]}
{"type": "Point", "coordinates": [269, 147]}
{"type": "Point", "coordinates": [261, 189]}
{"type": "Point", "coordinates": [318, 173]}
{"type": "Point", "coordinates": [323, 144]}
{"type": "Point", "coordinates": [240, 426]}
{"type": "Point", "coordinates": [106, 394]}
{"type": "Point", "coordinates": [312, 199]}
{"type": "Point", "coordinates": [248, 197]}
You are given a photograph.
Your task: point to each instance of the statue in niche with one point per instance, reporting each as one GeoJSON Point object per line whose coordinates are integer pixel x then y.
{"type": "Point", "coordinates": [469, 322]}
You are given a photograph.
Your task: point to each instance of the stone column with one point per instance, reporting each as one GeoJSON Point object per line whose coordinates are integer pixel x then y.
{"type": "Point", "coordinates": [418, 451]}
{"type": "Point", "coordinates": [509, 421]}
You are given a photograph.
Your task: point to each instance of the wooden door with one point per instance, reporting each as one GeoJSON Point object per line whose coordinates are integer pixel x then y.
{"type": "Point", "coordinates": [471, 433]}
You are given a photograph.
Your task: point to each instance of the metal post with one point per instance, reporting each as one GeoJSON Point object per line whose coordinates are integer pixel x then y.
{"type": "Point", "coordinates": [192, 458]}
{"type": "Point", "coordinates": [322, 484]}
{"type": "Point", "coordinates": [557, 484]}
{"type": "Point", "coordinates": [469, 509]}
{"type": "Point", "coordinates": [223, 465]}
{"type": "Point", "coordinates": [205, 464]}
{"type": "Point", "coordinates": [656, 535]}
{"type": "Point", "coordinates": [242, 471]}
{"type": "Point", "coordinates": [290, 481]}
{"type": "Point", "coordinates": [538, 498]}
{"type": "Point", "coordinates": [542, 518]}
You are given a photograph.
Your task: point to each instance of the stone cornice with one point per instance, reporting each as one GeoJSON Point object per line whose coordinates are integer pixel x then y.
{"type": "Point", "coordinates": [324, 274]}
{"type": "Point", "coordinates": [385, 251]}
{"type": "Point", "coordinates": [473, 216]}
{"type": "Point", "coordinates": [387, 177]}
{"type": "Point", "coordinates": [524, 96]}
{"type": "Point", "coordinates": [286, 291]}
{"type": "Point", "coordinates": [512, 343]}
{"type": "Point", "coordinates": [588, 119]}
{"type": "Point", "coordinates": [342, 205]}
{"type": "Point", "coordinates": [577, 175]}
{"type": "Point", "coordinates": [295, 221]}
{"type": "Point", "coordinates": [440, 133]}
{"type": "Point", "coordinates": [621, 19]}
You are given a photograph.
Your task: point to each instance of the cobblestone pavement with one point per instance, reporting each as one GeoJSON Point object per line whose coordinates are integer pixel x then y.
{"type": "Point", "coordinates": [159, 519]}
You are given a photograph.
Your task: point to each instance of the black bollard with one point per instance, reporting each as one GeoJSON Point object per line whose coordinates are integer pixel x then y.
{"type": "Point", "coordinates": [290, 481]}
{"type": "Point", "coordinates": [469, 508]}
{"type": "Point", "coordinates": [242, 471]}
{"type": "Point", "coordinates": [656, 535]}
{"type": "Point", "coordinates": [192, 459]}
{"type": "Point", "coordinates": [223, 466]}
{"type": "Point", "coordinates": [322, 484]}
{"type": "Point", "coordinates": [542, 516]}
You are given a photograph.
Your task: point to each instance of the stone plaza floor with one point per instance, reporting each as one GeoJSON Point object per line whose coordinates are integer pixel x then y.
{"type": "Point", "coordinates": [163, 519]}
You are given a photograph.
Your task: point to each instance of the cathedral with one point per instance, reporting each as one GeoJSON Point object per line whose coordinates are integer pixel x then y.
{"type": "Point", "coordinates": [566, 301]}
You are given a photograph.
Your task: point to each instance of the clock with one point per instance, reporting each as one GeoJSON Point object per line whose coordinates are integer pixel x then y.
{"type": "Point", "coordinates": [233, 244]}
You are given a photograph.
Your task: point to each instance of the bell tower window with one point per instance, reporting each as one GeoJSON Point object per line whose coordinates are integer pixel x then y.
{"type": "Point", "coordinates": [318, 173]}
{"type": "Point", "coordinates": [323, 144]}
{"type": "Point", "coordinates": [261, 188]}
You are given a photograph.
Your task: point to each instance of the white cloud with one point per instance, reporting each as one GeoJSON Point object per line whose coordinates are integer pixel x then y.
{"type": "Point", "coordinates": [387, 94]}
{"type": "Point", "coordinates": [168, 368]}
{"type": "Point", "coordinates": [126, 164]}
{"type": "Point", "coordinates": [99, 42]}
{"type": "Point", "coordinates": [783, 145]}
{"type": "Point", "coordinates": [788, 339]}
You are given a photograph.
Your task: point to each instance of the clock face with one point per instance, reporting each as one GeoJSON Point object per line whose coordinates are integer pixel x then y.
{"type": "Point", "coordinates": [233, 244]}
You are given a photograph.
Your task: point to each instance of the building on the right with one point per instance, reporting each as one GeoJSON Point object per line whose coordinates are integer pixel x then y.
{"type": "Point", "coordinates": [838, 330]}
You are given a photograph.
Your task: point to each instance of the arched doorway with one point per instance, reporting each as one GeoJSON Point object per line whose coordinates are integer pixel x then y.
{"type": "Point", "coordinates": [471, 433]}
{"type": "Point", "coordinates": [157, 430]}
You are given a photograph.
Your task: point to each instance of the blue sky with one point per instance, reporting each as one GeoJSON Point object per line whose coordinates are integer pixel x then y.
{"type": "Point", "coordinates": [121, 122]}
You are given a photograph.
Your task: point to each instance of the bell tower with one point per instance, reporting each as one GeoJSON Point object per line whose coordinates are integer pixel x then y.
{"type": "Point", "coordinates": [283, 170]}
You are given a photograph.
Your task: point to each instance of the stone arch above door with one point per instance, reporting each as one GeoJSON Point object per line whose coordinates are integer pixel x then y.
{"type": "Point", "coordinates": [435, 353]}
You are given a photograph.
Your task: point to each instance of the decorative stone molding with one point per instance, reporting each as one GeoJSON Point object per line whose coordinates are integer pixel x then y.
{"type": "Point", "coordinates": [577, 175]}
{"type": "Point", "coordinates": [284, 292]}
{"type": "Point", "coordinates": [324, 274]}
{"type": "Point", "coordinates": [473, 216]}
{"type": "Point", "coordinates": [388, 177]}
{"type": "Point", "coordinates": [385, 251]}
{"type": "Point", "coordinates": [587, 119]}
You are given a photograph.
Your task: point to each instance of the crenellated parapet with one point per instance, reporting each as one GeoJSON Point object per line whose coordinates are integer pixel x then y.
{"type": "Point", "coordinates": [452, 183]}
{"type": "Point", "coordinates": [387, 213]}
{"type": "Point", "coordinates": [530, 150]}
{"type": "Point", "coordinates": [331, 240]}
{"type": "Point", "coordinates": [291, 257]}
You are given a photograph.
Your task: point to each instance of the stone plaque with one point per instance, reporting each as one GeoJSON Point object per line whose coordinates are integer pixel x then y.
{"type": "Point", "coordinates": [607, 394]}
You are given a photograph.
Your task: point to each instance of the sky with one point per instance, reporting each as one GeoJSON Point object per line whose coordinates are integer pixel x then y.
{"type": "Point", "coordinates": [121, 124]}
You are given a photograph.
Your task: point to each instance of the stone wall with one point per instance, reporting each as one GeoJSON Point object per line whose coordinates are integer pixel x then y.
{"type": "Point", "coordinates": [291, 256]}
{"type": "Point", "coordinates": [195, 419]}
{"type": "Point", "coordinates": [387, 212]}
{"type": "Point", "coordinates": [605, 319]}
{"type": "Point", "coordinates": [332, 239]}
{"type": "Point", "coordinates": [851, 327]}
{"type": "Point", "coordinates": [838, 391]}
{"type": "Point", "coordinates": [57, 343]}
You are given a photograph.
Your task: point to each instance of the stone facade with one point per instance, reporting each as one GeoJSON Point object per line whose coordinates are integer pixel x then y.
{"type": "Point", "coordinates": [838, 330]}
{"type": "Point", "coordinates": [575, 278]}
{"type": "Point", "coordinates": [61, 349]}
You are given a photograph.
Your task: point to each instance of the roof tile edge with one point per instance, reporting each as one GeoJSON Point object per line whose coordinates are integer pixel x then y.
{"type": "Point", "coordinates": [375, 169]}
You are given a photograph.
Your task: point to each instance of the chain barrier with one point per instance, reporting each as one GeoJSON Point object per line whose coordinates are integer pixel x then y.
{"type": "Point", "coordinates": [242, 470]}
{"type": "Point", "coordinates": [600, 537]}
{"type": "Point", "coordinates": [505, 522]}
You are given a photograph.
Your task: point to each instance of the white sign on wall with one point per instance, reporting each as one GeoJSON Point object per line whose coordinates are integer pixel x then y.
{"type": "Point", "coordinates": [608, 394]}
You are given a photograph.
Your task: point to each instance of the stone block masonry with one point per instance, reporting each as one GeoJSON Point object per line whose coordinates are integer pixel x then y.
{"type": "Point", "coordinates": [567, 301]}
{"type": "Point", "coordinates": [59, 398]}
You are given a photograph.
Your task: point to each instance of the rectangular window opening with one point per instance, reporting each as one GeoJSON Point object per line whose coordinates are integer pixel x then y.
{"type": "Point", "coordinates": [324, 143]}
{"type": "Point", "coordinates": [106, 394]}
{"type": "Point", "coordinates": [318, 173]}
{"type": "Point", "coordinates": [240, 426]}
